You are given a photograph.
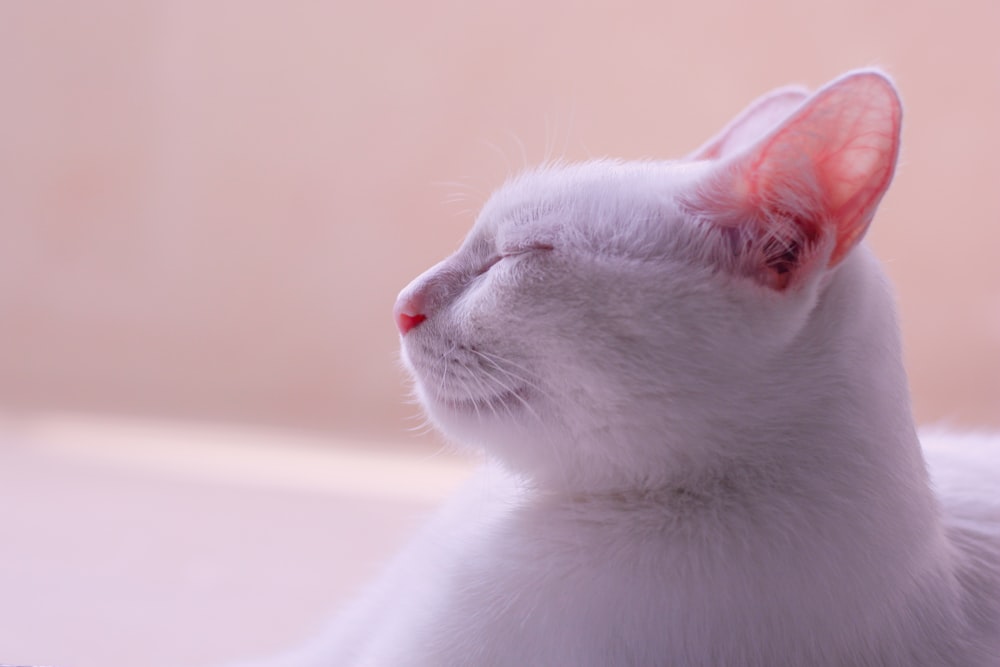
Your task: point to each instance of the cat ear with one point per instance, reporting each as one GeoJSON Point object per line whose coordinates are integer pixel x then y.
{"type": "Point", "coordinates": [819, 175]}
{"type": "Point", "coordinates": [752, 123]}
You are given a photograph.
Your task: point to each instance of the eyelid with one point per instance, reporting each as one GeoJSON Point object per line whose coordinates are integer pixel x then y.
{"type": "Point", "coordinates": [524, 248]}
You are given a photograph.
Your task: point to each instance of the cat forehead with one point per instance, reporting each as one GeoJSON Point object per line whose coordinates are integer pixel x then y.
{"type": "Point", "coordinates": [589, 194]}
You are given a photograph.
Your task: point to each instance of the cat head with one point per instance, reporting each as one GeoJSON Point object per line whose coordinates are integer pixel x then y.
{"type": "Point", "coordinates": [608, 320]}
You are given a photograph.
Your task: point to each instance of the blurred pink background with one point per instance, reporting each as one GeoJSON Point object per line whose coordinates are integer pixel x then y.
{"type": "Point", "coordinates": [207, 209]}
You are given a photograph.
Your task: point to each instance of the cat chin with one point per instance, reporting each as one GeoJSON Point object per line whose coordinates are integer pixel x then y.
{"type": "Point", "coordinates": [503, 406]}
{"type": "Point", "coordinates": [481, 422]}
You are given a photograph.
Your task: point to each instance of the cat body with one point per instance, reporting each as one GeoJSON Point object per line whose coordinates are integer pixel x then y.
{"type": "Point", "coordinates": [687, 378]}
{"type": "Point", "coordinates": [506, 577]}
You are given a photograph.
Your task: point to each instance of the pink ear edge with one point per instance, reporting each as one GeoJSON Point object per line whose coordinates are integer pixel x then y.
{"type": "Point", "coordinates": [862, 207]}
{"type": "Point", "coordinates": [873, 137]}
{"type": "Point", "coordinates": [884, 117]}
{"type": "Point", "coordinates": [849, 236]}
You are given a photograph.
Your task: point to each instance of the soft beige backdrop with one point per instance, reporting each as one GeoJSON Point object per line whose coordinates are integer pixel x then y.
{"type": "Point", "coordinates": [207, 208]}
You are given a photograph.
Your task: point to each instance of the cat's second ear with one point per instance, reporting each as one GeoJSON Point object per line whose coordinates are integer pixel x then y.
{"type": "Point", "coordinates": [815, 179]}
{"type": "Point", "coordinates": [752, 123]}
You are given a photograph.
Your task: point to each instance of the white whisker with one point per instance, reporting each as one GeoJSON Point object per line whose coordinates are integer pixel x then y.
{"type": "Point", "coordinates": [500, 363]}
{"type": "Point", "coordinates": [520, 145]}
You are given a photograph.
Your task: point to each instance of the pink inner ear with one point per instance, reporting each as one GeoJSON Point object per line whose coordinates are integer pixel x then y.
{"type": "Point", "coordinates": [835, 155]}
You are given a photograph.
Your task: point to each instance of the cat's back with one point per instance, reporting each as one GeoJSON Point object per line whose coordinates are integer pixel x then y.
{"type": "Point", "coordinates": [965, 473]}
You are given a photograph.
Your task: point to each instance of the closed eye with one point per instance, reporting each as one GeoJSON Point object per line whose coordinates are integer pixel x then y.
{"type": "Point", "coordinates": [514, 251]}
{"type": "Point", "coordinates": [525, 249]}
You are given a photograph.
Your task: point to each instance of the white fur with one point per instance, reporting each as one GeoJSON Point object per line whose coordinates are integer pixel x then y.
{"type": "Point", "coordinates": [701, 456]}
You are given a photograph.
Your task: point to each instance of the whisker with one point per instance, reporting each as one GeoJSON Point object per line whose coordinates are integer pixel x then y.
{"type": "Point", "coordinates": [569, 128]}
{"type": "Point", "coordinates": [549, 140]}
{"type": "Point", "coordinates": [520, 145]}
{"type": "Point", "coordinates": [503, 155]}
{"type": "Point", "coordinates": [483, 389]}
{"type": "Point", "coordinates": [513, 392]}
{"type": "Point", "coordinates": [500, 364]}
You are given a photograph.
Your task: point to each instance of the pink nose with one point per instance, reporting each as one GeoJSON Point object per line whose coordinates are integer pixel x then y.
{"type": "Point", "coordinates": [406, 322]}
{"type": "Point", "coordinates": [407, 313]}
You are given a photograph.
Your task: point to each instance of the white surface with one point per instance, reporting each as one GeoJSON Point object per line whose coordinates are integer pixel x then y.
{"type": "Point", "coordinates": [131, 544]}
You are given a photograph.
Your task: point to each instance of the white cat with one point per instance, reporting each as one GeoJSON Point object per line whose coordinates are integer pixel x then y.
{"type": "Point", "coordinates": [688, 377]}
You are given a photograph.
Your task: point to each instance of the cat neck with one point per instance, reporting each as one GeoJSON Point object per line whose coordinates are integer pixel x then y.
{"type": "Point", "coordinates": [831, 426]}
{"type": "Point", "coordinates": [816, 490]}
